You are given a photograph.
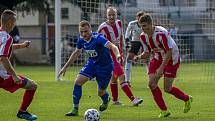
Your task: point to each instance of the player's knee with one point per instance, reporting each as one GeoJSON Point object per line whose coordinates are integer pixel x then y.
{"type": "Point", "coordinates": [167, 89]}
{"type": "Point", "coordinates": [152, 85]}
{"type": "Point", "coordinates": [34, 85]}
{"type": "Point", "coordinates": [101, 92]}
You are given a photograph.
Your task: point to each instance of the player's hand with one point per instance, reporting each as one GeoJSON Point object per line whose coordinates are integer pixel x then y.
{"type": "Point", "coordinates": [16, 79]}
{"type": "Point", "coordinates": [62, 71]}
{"type": "Point", "coordinates": [119, 59]}
{"type": "Point", "coordinates": [159, 72]}
{"type": "Point", "coordinates": [26, 43]}
{"type": "Point", "coordinates": [136, 58]}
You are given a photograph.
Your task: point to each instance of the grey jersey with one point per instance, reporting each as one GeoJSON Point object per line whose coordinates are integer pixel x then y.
{"type": "Point", "coordinates": [133, 30]}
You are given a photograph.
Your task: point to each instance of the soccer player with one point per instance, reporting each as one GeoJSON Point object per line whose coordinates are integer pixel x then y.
{"type": "Point", "coordinates": [99, 65]}
{"type": "Point", "coordinates": [9, 80]}
{"type": "Point", "coordinates": [165, 61]}
{"type": "Point", "coordinates": [112, 29]}
{"type": "Point", "coordinates": [133, 32]}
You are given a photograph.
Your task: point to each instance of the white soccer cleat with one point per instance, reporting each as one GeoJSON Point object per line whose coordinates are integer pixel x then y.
{"type": "Point", "coordinates": [116, 103]}
{"type": "Point", "coordinates": [137, 101]}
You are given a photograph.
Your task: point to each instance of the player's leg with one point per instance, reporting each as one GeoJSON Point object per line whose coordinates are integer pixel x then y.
{"type": "Point", "coordinates": [135, 47]}
{"type": "Point", "coordinates": [30, 89]}
{"type": "Point", "coordinates": [169, 75]}
{"type": "Point", "coordinates": [103, 77]}
{"type": "Point", "coordinates": [86, 73]}
{"type": "Point", "coordinates": [125, 87]}
{"type": "Point", "coordinates": [77, 93]}
{"type": "Point", "coordinates": [156, 92]}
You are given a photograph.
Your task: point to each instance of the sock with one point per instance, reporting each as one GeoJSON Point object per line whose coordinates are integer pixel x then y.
{"type": "Point", "coordinates": [27, 99]}
{"type": "Point", "coordinates": [158, 98]}
{"type": "Point", "coordinates": [105, 98]}
{"type": "Point", "coordinates": [114, 91]}
{"type": "Point", "coordinates": [128, 71]}
{"type": "Point", "coordinates": [179, 94]}
{"type": "Point", "coordinates": [77, 93]}
{"type": "Point", "coordinates": [126, 89]}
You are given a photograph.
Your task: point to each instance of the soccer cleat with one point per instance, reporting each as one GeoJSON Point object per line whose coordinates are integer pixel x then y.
{"type": "Point", "coordinates": [104, 106]}
{"type": "Point", "coordinates": [137, 101]}
{"type": "Point", "coordinates": [187, 105]}
{"type": "Point", "coordinates": [164, 114]}
{"type": "Point", "coordinates": [73, 112]}
{"type": "Point", "coordinates": [116, 103]}
{"type": "Point", "coordinates": [26, 115]}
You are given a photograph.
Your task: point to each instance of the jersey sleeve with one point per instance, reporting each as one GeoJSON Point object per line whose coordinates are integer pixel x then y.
{"type": "Point", "coordinates": [102, 40]}
{"type": "Point", "coordinates": [5, 45]}
{"type": "Point", "coordinates": [128, 31]}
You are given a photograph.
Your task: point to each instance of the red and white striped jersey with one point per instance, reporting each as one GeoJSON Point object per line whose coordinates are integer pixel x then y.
{"type": "Point", "coordinates": [113, 33]}
{"type": "Point", "coordinates": [159, 43]}
{"type": "Point", "coordinates": [5, 50]}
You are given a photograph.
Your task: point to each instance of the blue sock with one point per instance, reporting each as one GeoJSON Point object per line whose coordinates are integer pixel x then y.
{"type": "Point", "coordinates": [105, 97]}
{"type": "Point", "coordinates": [77, 93]}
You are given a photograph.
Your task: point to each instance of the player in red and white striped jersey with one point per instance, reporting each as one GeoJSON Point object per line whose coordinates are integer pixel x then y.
{"type": "Point", "coordinates": [165, 61]}
{"type": "Point", "coordinates": [113, 31]}
{"type": "Point", "coordinates": [9, 80]}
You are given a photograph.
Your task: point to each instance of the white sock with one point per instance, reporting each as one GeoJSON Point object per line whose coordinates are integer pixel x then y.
{"type": "Point", "coordinates": [128, 71]}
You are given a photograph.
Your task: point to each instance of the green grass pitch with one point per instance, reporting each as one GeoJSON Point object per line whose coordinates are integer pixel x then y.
{"type": "Point", "coordinates": [53, 99]}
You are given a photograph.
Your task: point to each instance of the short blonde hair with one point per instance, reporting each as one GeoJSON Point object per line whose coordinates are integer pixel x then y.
{"type": "Point", "coordinates": [84, 23]}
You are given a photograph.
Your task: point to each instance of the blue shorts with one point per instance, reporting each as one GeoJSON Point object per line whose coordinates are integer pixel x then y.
{"type": "Point", "coordinates": [102, 73]}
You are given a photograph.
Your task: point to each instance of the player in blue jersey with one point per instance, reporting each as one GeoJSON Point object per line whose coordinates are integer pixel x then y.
{"type": "Point", "coordinates": [99, 65]}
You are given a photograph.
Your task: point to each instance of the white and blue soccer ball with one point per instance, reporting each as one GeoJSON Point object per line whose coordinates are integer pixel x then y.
{"type": "Point", "coordinates": [91, 115]}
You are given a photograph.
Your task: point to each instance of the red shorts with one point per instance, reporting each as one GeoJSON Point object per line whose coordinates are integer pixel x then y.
{"type": "Point", "coordinates": [169, 70]}
{"type": "Point", "coordinates": [118, 69]}
{"type": "Point", "coordinates": [9, 84]}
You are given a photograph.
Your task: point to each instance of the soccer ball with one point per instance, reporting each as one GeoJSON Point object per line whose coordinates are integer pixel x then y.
{"type": "Point", "coordinates": [91, 115]}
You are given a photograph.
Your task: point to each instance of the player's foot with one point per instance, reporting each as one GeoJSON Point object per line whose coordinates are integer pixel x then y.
{"type": "Point", "coordinates": [187, 105]}
{"type": "Point", "coordinates": [117, 103]}
{"type": "Point", "coordinates": [164, 114]}
{"type": "Point", "coordinates": [137, 101]}
{"type": "Point", "coordinates": [73, 112]}
{"type": "Point", "coordinates": [104, 106]}
{"type": "Point", "coordinates": [26, 115]}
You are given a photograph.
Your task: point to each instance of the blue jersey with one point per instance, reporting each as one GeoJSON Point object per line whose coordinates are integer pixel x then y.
{"type": "Point", "coordinates": [95, 48]}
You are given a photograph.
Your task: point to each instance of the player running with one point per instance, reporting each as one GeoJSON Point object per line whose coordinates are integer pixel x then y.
{"type": "Point", "coordinates": [9, 80]}
{"type": "Point", "coordinates": [132, 36]}
{"type": "Point", "coordinates": [99, 65]}
{"type": "Point", "coordinates": [112, 29]}
{"type": "Point", "coordinates": [165, 61]}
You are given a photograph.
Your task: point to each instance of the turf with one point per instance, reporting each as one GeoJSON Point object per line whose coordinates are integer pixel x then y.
{"type": "Point", "coordinates": [53, 99]}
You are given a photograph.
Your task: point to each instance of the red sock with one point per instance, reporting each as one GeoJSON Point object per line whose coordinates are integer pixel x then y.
{"type": "Point", "coordinates": [179, 94]}
{"type": "Point", "coordinates": [127, 90]}
{"type": "Point", "coordinates": [27, 99]}
{"type": "Point", "coordinates": [158, 98]}
{"type": "Point", "coordinates": [114, 91]}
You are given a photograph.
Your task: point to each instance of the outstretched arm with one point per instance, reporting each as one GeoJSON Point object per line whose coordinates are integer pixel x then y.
{"type": "Point", "coordinates": [25, 44]}
{"type": "Point", "coordinates": [114, 48]}
{"type": "Point", "coordinates": [72, 58]}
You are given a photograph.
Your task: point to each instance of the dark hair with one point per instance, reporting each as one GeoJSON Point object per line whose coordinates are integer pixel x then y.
{"type": "Point", "coordinates": [146, 18]}
{"type": "Point", "coordinates": [6, 15]}
{"type": "Point", "coordinates": [140, 13]}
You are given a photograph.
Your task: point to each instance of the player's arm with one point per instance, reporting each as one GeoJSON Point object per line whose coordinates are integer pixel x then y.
{"type": "Point", "coordinates": [25, 44]}
{"type": "Point", "coordinates": [71, 59]}
{"type": "Point", "coordinates": [114, 48]}
{"type": "Point", "coordinates": [9, 68]}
